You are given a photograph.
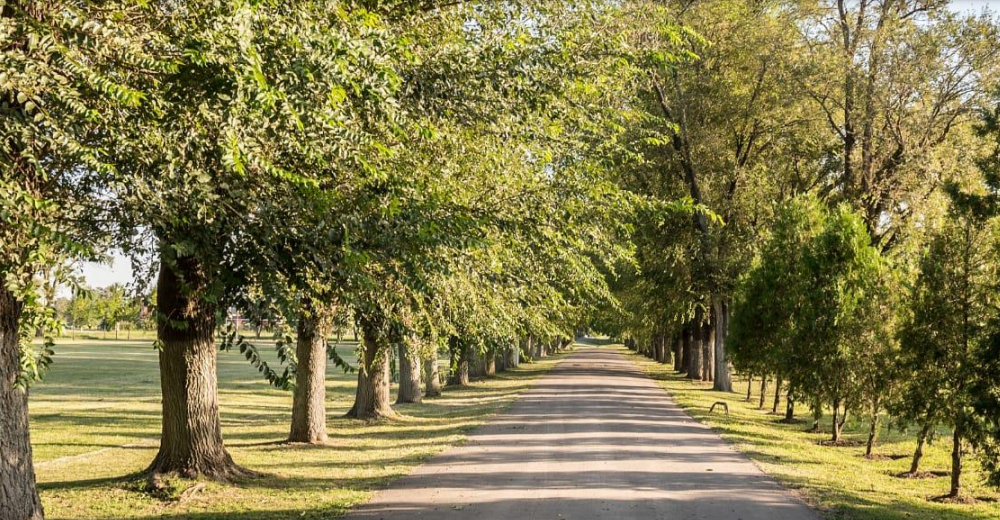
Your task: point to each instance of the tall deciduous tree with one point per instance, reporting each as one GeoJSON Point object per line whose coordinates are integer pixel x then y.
{"type": "Point", "coordinates": [861, 60]}
{"type": "Point", "coordinates": [65, 71]}
{"type": "Point", "coordinates": [264, 102]}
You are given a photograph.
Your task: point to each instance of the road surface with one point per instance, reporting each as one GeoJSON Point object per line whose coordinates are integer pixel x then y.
{"type": "Point", "coordinates": [595, 438]}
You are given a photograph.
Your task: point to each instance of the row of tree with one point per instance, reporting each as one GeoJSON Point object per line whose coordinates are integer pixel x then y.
{"type": "Point", "coordinates": [106, 308]}
{"type": "Point", "coordinates": [843, 159]}
{"type": "Point", "coordinates": [434, 170]}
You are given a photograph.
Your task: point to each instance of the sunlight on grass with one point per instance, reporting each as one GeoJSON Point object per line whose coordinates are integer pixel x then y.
{"type": "Point", "coordinates": [837, 480]}
{"type": "Point", "coordinates": [95, 424]}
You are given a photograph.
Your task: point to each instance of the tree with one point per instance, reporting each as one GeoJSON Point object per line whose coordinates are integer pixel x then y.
{"type": "Point", "coordinates": [715, 120]}
{"type": "Point", "coordinates": [309, 398]}
{"type": "Point", "coordinates": [763, 328]}
{"type": "Point", "coordinates": [251, 117]}
{"type": "Point", "coordinates": [64, 81]}
{"type": "Point", "coordinates": [828, 331]}
{"type": "Point", "coordinates": [843, 312]}
{"type": "Point", "coordinates": [947, 327]}
{"type": "Point", "coordinates": [852, 69]}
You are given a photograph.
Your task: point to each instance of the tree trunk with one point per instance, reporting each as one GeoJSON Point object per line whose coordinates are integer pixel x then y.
{"type": "Point", "coordinates": [708, 350]}
{"type": "Point", "coordinates": [373, 400]}
{"type": "Point", "coordinates": [432, 383]}
{"type": "Point", "coordinates": [817, 413]}
{"type": "Point", "coordinates": [477, 363]}
{"type": "Point", "coordinates": [490, 363]}
{"type": "Point", "coordinates": [956, 461]}
{"type": "Point", "coordinates": [409, 376]}
{"type": "Point", "coordinates": [18, 492]}
{"type": "Point", "coordinates": [688, 343]}
{"type": "Point", "coordinates": [501, 359]}
{"type": "Point", "coordinates": [694, 370]}
{"type": "Point", "coordinates": [836, 422]}
{"type": "Point", "coordinates": [191, 439]}
{"type": "Point", "coordinates": [679, 353]}
{"type": "Point", "coordinates": [763, 393]}
{"type": "Point", "coordinates": [309, 399]}
{"type": "Point", "coordinates": [749, 387]}
{"type": "Point", "coordinates": [723, 380]}
{"type": "Point", "coordinates": [514, 355]}
{"type": "Point", "coordinates": [462, 372]}
{"type": "Point", "coordinates": [460, 360]}
{"type": "Point", "coordinates": [789, 408]}
{"type": "Point", "coordinates": [919, 452]}
{"type": "Point", "coordinates": [777, 395]}
{"type": "Point", "coordinates": [872, 434]}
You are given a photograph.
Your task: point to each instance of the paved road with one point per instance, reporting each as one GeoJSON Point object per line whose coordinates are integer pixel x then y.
{"type": "Point", "coordinates": [593, 439]}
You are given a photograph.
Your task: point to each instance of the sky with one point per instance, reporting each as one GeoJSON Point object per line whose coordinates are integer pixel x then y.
{"type": "Point", "coordinates": [119, 270]}
{"type": "Point", "coordinates": [974, 5]}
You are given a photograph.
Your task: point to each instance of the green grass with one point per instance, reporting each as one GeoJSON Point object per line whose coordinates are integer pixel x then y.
{"type": "Point", "coordinates": [95, 423]}
{"type": "Point", "coordinates": [838, 481]}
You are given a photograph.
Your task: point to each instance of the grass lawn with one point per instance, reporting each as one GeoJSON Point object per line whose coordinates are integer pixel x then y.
{"type": "Point", "coordinates": [95, 423]}
{"type": "Point", "coordinates": [839, 481]}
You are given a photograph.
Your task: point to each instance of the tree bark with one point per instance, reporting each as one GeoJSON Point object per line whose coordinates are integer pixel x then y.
{"type": "Point", "coordinates": [956, 461]}
{"type": "Point", "coordinates": [836, 422]}
{"type": "Point", "coordinates": [372, 399]}
{"type": "Point", "coordinates": [694, 370]}
{"type": "Point", "coordinates": [409, 376]}
{"type": "Point", "coordinates": [817, 413]}
{"type": "Point", "coordinates": [477, 363]}
{"type": "Point", "coordinates": [763, 393]}
{"type": "Point", "coordinates": [514, 355]}
{"type": "Point", "coordinates": [918, 453]}
{"type": "Point", "coordinates": [432, 381]}
{"type": "Point", "coordinates": [191, 439]}
{"type": "Point", "coordinates": [460, 360]}
{"type": "Point", "coordinates": [777, 395]}
{"type": "Point", "coordinates": [18, 491]}
{"type": "Point", "coordinates": [708, 349]}
{"type": "Point", "coordinates": [789, 408]}
{"type": "Point", "coordinates": [490, 363]}
{"type": "Point", "coordinates": [679, 353]}
{"type": "Point", "coordinates": [723, 380]}
{"type": "Point", "coordinates": [688, 340]}
{"type": "Point", "coordinates": [749, 387]}
{"type": "Point", "coordinates": [309, 399]}
{"type": "Point", "coordinates": [872, 434]}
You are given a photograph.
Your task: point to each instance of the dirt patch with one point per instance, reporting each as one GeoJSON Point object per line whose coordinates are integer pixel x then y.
{"type": "Point", "coordinates": [842, 443]}
{"type": "Point", "coordinates": [922, 474]}
{"type": "Point", "coordinates": [961, 499]}
{"type": "Point", "coordinates": [877, 457]}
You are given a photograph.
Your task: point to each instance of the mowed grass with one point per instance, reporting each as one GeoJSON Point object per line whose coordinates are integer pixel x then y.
{"type": "Point", "coordinates": [95, 424]}
{"type": "Point", "coordinates": [839, 481]}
